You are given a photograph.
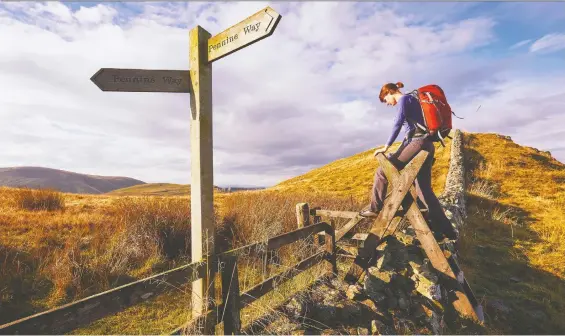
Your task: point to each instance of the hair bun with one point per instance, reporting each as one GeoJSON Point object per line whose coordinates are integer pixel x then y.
{"type": "Point", "coordinates": [400, 85]}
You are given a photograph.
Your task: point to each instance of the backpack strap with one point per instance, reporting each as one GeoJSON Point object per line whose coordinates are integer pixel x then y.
{"type": "Point", "coordinates": [456, 115]}
{"type": "Point", "coordinates": [417, 124]}
{"type": "Point", "coordinates": [414, 93]}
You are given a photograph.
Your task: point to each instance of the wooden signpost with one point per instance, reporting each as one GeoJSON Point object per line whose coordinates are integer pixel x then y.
{"type": "Point", "coordinates": [255, 28]}
{"type": "Point", "coordinates": [204, 49]}
{"type": "Point", "coordinates": [138, 80]}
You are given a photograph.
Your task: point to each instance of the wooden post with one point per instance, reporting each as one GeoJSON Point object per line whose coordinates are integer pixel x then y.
{"type": "Point", "coordinates": [303, 220]}
{"type": "Point", "coordinates": [204, 49]}
{"type": "Point", "coordinates": [230, 297]}
{"type": "Point", "coordinates": [318, 239]}
{"type": "Point", "coordinates": [202, 195]}
{"type": "Point", "coordinates": [316, 219]}
{"type": "Point", "coordinates": [302, 215]}
{"type": "Point", "coordinates": [265, 263]}
{"type": "Point", "coordinates": [331, 248]}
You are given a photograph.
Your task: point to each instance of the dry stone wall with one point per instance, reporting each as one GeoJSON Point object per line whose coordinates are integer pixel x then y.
{"type": "Point", "coordinates": [453, 197]}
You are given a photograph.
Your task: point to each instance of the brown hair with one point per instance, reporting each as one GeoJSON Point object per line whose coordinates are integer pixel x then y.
{"type": "Point", "coordinates": [389, 88]}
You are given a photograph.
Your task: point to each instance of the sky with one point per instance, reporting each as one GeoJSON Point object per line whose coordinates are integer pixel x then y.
{"type": "Point", "coordinates": [299, 99]}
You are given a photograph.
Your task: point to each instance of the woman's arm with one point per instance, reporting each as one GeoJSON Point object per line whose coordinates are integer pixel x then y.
{"type": "Point", "coordinates": [398, 121]}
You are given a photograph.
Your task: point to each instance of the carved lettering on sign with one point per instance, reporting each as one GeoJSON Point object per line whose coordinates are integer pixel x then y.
{"type": "Point", "coordinates": [147, 80]}
{"type": "Point", "coordinates": [222, 43]}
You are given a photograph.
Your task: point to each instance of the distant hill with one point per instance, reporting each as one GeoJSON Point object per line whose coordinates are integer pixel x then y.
{"type": "Point", "coordinates": [167, 189]}
{"type": "Point", "coordinates": [154, 189]}
{"type": "Point", "coordinates": [65, 181]}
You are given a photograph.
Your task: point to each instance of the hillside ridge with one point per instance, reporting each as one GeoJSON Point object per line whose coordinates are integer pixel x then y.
{"type": "Point", "coordinates": [65, 181]}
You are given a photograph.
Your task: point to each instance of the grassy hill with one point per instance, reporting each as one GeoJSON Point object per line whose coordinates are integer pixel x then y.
{"type": "Point", "coordinates": [353, 176]}
{"type": "Point", "coordinates": [64, 181]}
{"type": "Point", "coordinates": [513, 246]}
{"type": "Point", "coordinates": [166, 189]}
{"type": "Point", "coordinates": [154, 189]}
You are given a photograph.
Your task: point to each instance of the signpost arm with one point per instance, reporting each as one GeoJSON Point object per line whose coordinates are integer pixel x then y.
{"type": "Point", "coordinates": [202, 196]}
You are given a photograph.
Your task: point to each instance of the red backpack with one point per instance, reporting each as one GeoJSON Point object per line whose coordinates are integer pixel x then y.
{"type": "Point", "coordinates": [436, 110]}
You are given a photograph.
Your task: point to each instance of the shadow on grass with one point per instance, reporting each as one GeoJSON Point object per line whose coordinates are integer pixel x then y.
{"type": "Point", "coordinates": [518, 298]}
{"type": "Point", "coordinates": [19, 285]}
{"type": "Point", "coordinates": [547, 161]}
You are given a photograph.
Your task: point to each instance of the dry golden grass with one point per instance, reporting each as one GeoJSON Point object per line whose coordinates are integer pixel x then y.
{"type": "Point", "coordinates": [353, 176]}
{"type": "Point", "coordinates": [155, 189]}
{"type": "Point", "coordinates": [516, 228]}
{"type": "Point", "coordinates": [39, 199]}
{"type": "Point", "coordinates": [97, 242]}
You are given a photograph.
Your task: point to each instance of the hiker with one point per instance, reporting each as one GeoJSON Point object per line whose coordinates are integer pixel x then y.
{"type": "Point", "coordinates": [416, 139]}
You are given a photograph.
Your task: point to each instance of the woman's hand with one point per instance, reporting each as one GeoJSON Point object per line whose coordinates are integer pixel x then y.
{"type": "Point", "coordinates": [380, 150]}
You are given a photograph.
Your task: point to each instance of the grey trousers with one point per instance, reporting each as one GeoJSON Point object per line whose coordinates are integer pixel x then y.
{"type": "Point", "coordinates": [438, 222]}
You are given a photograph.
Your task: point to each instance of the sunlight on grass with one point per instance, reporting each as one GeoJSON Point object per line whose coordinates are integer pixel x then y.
{"type": "Point", "coordinates": [97, 242]}
{"type": "Point", "coordinates": [512, 247]}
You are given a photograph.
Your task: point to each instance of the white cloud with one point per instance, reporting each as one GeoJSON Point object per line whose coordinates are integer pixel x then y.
{"type": "Point", "coordinates": [97, 14]}
{"type": "Point", "coordinates": [520, 44]}
{"type": "Point", "coordinates": [549, 43]}
{"type": "Point", "coordinates": [301, 98]}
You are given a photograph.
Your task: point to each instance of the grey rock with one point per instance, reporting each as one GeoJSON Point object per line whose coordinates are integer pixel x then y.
{"type": "Point", "coordinates": [296, 308]}
{"type": "Point", "coordinates": [377, 281]}
{"type": "Point", "coordinates": [424, 270]}
{"type": "Point", "coordinates": [379, 328]}
{"type": "Point", "coordinates": [354, 292]}
{"type": "Point", "coordinates": [363, 331]}
{"type": "Point", "coordinates": [499, 305]}
{"type": "Point", "coordinates": [403, 300]}
{"type": "Point", "coordinates": [376, 327]}
{"type": "Point", "coordinates": [435, 322]}
{"type": "Point", "coordinates": [325, 313]}
{"type": "Point", "coordinates": [427, 288]}
{"type": "Point", "coordinates": [392, 302]}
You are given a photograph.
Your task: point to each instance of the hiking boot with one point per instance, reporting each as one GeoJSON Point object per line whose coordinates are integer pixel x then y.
{"type": "Point", "coordinates": [368, 213]}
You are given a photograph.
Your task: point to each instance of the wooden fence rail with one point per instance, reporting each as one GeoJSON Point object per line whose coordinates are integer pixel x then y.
{"type": "Point", "coordinates": [68, 317]}
{"type": "Point", "coordinates": [228, 311]}
{"type": "Point", "coordinates": [303, 214]}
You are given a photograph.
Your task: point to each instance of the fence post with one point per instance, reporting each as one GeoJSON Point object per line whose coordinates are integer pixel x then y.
{"type": "Point", "coordinates": [303, 220]}
{"type": "Point", "coordinates": [316, 219]}
{"type": "Point", "coordinates": [230, 296]}
{"type": "Point", "coordinates": [302, 215]}
{"type": "Point", "coordinates": [331, 248]}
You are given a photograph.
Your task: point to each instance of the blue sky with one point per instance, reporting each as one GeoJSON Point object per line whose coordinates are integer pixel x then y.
{"type": "Point", "coordinates": [326, 62]}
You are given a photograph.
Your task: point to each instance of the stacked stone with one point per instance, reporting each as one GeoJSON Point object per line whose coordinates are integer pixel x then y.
{"type": "Point", "coordinates": [453, 197]}
{"type": "Point", "coordinates": [404, 285]}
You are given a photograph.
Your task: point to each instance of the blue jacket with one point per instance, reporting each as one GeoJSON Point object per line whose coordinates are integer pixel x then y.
{"type": "Point", "coordinates": [408, 108]}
